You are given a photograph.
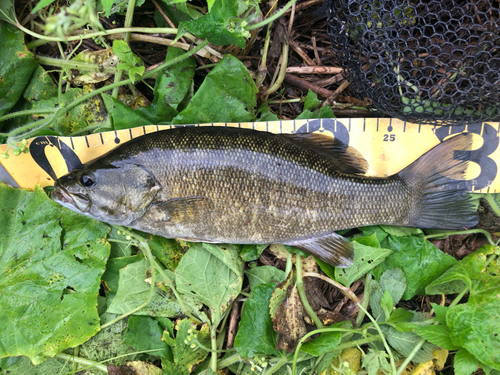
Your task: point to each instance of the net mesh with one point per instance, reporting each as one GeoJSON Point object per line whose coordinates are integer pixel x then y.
{"type": "Point", "coordinates": [431, 61]}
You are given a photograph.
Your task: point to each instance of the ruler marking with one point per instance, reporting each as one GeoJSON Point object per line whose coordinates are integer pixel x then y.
{"type": "Point", "coordinates": [102, 140]}
{"type": "Point", "coordinates": [72, 145]}
{"type": "Point", "coordinates": [130, 132]}
{"type": "Point", "coordinates": [281, 127]}
{"type": "Point", "coordinates": [419, 126]}
{"type": "Point", "coordinates": [482, 129]}
{"type": "Point", "coordinates": [364, 124]}
{"type": "Point", "coordinates": [144, 129]}
{"type": "Point", "coordinates": [488, 190]}
{"type": "Point", "coordinates": [157, 128]}
{"type": "Point", "coordinates": [117, 140]}
{"type": "Point", "coordinates": [349, 124]}
{"type": "Point", "coordinates": [86, 140]}
{"type": "Point", "coordinates": [267, 126]}
{"type": "Point", "coordinates": [377, 124]}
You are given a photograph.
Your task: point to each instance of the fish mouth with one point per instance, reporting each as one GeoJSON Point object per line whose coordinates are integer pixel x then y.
{"type": "Point", "coordinates": [69, 200]}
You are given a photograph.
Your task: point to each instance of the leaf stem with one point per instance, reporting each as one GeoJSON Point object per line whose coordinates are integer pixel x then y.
{"type": "Point", "coordinates": [42, 39]}
{"type": "Point", "coordinates": [83, 361]}
{"type": "Point", "coordinates": [386, 345]}
{"type": "Point", "coordinates": [410, 356]}
{"type": "Point", "coordinates": [302, 294]}
{"type": "Point", "coordinates": [470, 231]}
{"type": "Point", "coordinates": [281, 76]}
{"type": "Point", "coordinates": [459, 297]}
{"type": "Point", "coordinates": [26, 112]}
{"type": "Point", "coordinates": [126, 38]}
{"type": "Point", "coordinates": [345, 291]}
{"type": "Point", "coordinates": [272, 18]}
{"type": "Point", "coordinates": [366, 299]}
{"type": "Point", "coordinates": [282, 361]}
{"type": "Point", "coordinates": [493, 204]}
{"type": "Point", "coordinates": [213, 340]}
{"type": "Point", "coordinates": [226, 362]}
{"type": "Point", "coordinates": [70, 64]}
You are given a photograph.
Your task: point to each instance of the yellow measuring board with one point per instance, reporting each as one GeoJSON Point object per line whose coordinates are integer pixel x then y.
{"type": "Point", "coordinates": [389, 145]}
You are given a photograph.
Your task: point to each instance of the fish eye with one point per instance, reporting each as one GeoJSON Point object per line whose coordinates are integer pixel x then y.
{"type": "Point", "coordinates": [87, 179]}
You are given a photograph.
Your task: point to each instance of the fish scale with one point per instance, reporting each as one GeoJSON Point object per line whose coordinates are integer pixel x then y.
{"type": "Point", "coordinates": [233, 185]}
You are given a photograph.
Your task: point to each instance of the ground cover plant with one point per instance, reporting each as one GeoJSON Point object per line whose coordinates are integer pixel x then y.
{"type": "Point", "coordinates": [80, 296]}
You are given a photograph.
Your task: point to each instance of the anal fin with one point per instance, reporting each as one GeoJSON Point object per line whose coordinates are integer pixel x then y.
{"type": "Point", "coordinates": [331, 248]}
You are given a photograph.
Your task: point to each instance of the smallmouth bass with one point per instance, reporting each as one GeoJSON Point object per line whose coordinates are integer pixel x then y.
{"type": "Point", "coordinates": [232, 185]}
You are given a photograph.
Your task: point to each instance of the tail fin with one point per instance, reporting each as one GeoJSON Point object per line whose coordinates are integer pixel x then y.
{"type": "Point", "coordinates": [440, 203]}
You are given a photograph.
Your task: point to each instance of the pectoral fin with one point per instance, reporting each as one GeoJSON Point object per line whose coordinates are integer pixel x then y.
{"type": "Point", "coordinates": [177, 210]}
{"type": "Point", "coordinates": [332, 248]}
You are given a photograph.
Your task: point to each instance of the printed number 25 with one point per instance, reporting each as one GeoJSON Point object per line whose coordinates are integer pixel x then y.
{"type": "Point", "coordinates": [389, 137]}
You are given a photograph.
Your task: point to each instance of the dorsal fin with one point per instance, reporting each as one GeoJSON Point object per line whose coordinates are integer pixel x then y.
{"type": "Point", "coordinates": [347, 159]}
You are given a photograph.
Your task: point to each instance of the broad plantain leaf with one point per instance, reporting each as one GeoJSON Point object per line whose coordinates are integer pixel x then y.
{"type": "Point", "coordinates": [264, 275]}
{"type": "Point", "coordinates": [51, 261]}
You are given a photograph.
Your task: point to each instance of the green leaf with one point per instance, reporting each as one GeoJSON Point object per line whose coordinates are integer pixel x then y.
{"type": "Point", "coordinates": [256, 334]}
{"type": "Point", "coordinates": [420, 260]}
{"type": "Point", "coordinates": [212, 275]}
{"type": "Point", "coordinates": [226, 95]}
{"type": "Point", "coordinates": [7, 11]}
{"type": "Point", "coordinates": [405, 342]}
{"type": "Point", "coordinates": [251, 252]}
{"type": "Point", "coordinates": [215, 25]}
{"type": "Point", "coordinates": [464, 363]}
{"type": "Point", "coordinates": [327, 341]}
{"type": "Point", "coordinates": [386, 303]}
{"type": "Point", "coordinates": [119, 249]}
{"type": "Point", "coordinates": [51, 261]}
{"type": "Point", "coordinates": [144, 333]}
{"type": "Point", "coordinates": [312, 102]}
{"type": "Point", "coordinates": [400, 315]}
{"type": "Point", "coordinates": [376, 360]}
{"type": "Point", "coordinates": [40, 86]}
{"type": "Point", "coordinates": [371, 240]}
{"type": "Point", "coordinates": [131, 61]}
{"type": "Point", "coordinates": [167, 251]}
{"type": "Point", "coordinates": [391, 281]}
{"type": "Point", "coordinates": [323, 112]}
{"type": "Point", "coordinates": [174, 86]}
{"type": "Point", "coordinates": [107, 4]}
{"type": "Point", "coordinates": [365, 259]}
{"type": "Point", "coordinates": [375, 229]}
{"type": "Point", "coordinates": [112, 274]}
{"type": "Point", "coordinates": [265, 114]}
{"type": "Point", "coordinates": [401, 231]}
{"type": "Point", "coordinates": [438, 335]}
{"type": "Point", "coordinates": [16, 68]}
{"type": "Point", "coordinates": [124, 117]}
{"type": "Point", "coordinates": [41, 4]}
{"type": "Point", "coordinates": [133, 290]}
{"type": "Point", "coordinates": [440, 312]}
{"type": "Point", "coordinates": [475, 325]}
{"type": "Point", "coordinates": [264, 275]}
{"type": "Point", "coordinates": [88, 113]}
{"type": "Point", "coordinates": [185, 357]}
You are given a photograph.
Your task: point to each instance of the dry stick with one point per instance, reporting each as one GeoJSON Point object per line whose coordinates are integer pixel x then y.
{"type": "Point", "coordinates": [314, 69]}
{"type": "Point", "coordinates": [330, 81]}
{"type": "Point", "coordinates": [345, 291]}
{"type": "Point", "coordinates": [301, 53]}
{"type": "Point", "coordinates": [315, 49]}
{"type": "Point", "coordinates": [293, 80]}
{"type": "Point", "coordinates": [204, 52]}
{"type": "Point", "coordinates": [336, 93]}
{"type": "Point", "coordinates": [305, 4]}
{"type": "Point", "coordinates": [233, 324]}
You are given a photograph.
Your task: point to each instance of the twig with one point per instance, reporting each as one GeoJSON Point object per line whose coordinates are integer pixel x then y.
{"type": "Point", "coordinates": [315, 49]}
{"type": "Point", "coordinates": [233, 324]}
{"type": "Point", "coordinates": [345, 291]}
{"type": "Point", "coordinates": [205, 52]}
{"type": "Point", "coordinates": [314, 69]}
{"type": "Point", "coordinates": [306, 4]}
{"type": "Point", "coordinates": [281, 75]}
{"type": "Point", "coordinates": [336, 93]}
{"type": "Point", "coordinates": [337, 78]}
{"type": "Point", "coordinates": [305, 85]}
{"type": "Point", "coordinates": [301, 53]}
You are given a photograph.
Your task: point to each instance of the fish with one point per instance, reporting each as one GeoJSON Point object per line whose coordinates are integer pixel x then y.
{"type": "Point", "coordinates": [242, 186]}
